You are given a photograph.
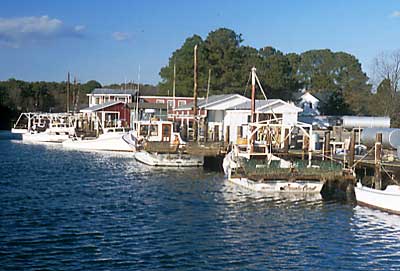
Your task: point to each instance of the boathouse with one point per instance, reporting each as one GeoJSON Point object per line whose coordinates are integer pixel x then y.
{"type": "Point", "coordinates": [237, 117]}
{"type": "Point", "coordinates": [106, 115]}
{"type": "Point", "coordinates": [213, 110]}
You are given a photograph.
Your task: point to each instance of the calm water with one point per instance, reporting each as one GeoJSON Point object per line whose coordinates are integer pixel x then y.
{"type": "Point", "coordinates": [69, 210]}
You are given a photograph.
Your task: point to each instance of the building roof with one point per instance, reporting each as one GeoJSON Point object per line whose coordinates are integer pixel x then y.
{"type": "Point", "coordinates": [265, 106]}
{"type": "Point", "coordinates": [111, 91]}
{"type": "Point", "coordinates": [98, 107]}
{"type": "Point", "coordinates": [149, 105]}
{"type": "Point", "coordinates": [211, 101]}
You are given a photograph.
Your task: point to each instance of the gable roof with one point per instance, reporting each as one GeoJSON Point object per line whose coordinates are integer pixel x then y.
{"type": "Point", "coordinates": [110, 91]}
{"type": "Point", "coordinates": [98, 107]}
{"type": "Point", "coordinates": [266, 106]}
{"type": "Point", "coordinates": [212, 101]}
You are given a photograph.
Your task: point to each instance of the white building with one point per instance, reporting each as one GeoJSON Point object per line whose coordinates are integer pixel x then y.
{"type": "Point", "coordinates": [228, 115]}
{"type": "Point", "coordinates": [237, 117]}
{"type": "Point", "coordinates": [103, 95]}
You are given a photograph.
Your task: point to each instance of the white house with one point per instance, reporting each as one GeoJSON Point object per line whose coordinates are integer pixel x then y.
{"type": "Point", "coordinates": [309, 103]}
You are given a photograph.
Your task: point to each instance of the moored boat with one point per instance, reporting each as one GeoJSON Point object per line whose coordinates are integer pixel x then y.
{"type": "Point", "coordinates": [169, 159]}
{"type": "Point", "coordinates": [387, 200]}
{"type": "Point", "coordinates": [113, 139]}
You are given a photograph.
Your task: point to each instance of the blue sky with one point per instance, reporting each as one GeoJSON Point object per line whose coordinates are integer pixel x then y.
{"type": "Point", "coordinates": [109, 40]}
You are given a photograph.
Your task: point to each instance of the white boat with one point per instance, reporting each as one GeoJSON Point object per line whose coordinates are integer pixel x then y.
{"type": "Point", "coordinates": [231, 164]}
{"type": "Point", "coordinates": [56, 133]}
{"type": "Point", "coordinates": [257, 147]}
{"type": "Point", "coordinates": [169, 159]}
{"type": "Point", "coordinates": [44, 127]}
{"type": "Point", "coordinates": [387, 200]}
{"type": "Point", "coordinates": [113, 139]}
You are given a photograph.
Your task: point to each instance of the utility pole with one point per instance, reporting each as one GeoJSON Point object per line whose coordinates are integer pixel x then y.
{"type": "Point", "coordinates": [68, 86]}
{"type": "Point", "coordinates": [195, 94]}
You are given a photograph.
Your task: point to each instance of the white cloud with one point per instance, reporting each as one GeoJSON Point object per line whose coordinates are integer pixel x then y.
{"type": "Point", "coordinates": [395, 13]}
{"type": "Point", "coordinates": [121, 36]}
{"type": "Point", "coordinates": [15, 32]}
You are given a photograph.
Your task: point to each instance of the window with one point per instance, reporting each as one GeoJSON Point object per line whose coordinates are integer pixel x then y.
{"type": "Point", "coordinates": [159, 101]}
{"type": "Point", "coordinates": [181, 103]}
{"type": "Point", "coordinates": [170, 104]}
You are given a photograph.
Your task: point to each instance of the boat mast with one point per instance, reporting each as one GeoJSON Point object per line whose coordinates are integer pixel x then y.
{"type": "Point", "coordinates": [253, 107]}
{"type": "Point", "coordinates": [195, 94]}
{"type": "Point", "coordinates": [173, 92]}
{"type": "Point", "coordinates": [137, 96]}
{"type": "Point", "coordinates": [68, 86]}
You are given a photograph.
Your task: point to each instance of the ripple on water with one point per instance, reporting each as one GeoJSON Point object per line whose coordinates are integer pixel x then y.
{"type": "Point", "coordinates": [74, 210]}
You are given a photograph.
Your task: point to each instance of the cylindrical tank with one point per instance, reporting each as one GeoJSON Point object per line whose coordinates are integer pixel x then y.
{"type": "Point", "coordinates": [350, 122]}
{"type": "Point", "coordinates": [315, 144]}
{"type": "Point", "coordinates": [390, 137]}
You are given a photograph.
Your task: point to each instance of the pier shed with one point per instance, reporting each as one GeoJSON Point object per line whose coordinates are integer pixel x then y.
{"type": "Point", "coordinates": [237, 117]}
{"type": "Point", "coordinates": [108, 114]}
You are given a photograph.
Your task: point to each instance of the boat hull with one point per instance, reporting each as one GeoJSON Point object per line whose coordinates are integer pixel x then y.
{"type": "Point", "coordinates": [278, 186]}
{"type": "Point", "coordinates": [105, 142]}
{"type": "Point", "coordinates": [169, 160]}
{"type": "Point", "coordinates": [388, 201]}
{"type": "Point", "coordinates": [44, 137]}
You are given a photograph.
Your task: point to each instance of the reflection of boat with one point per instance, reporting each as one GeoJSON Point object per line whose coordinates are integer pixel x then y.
{"type": "Point", "coordinates": [386, 200]}
{"type": "Point", "coordinates": [113, 139]}
{"type": "Point", "coordinates": [169, 159]}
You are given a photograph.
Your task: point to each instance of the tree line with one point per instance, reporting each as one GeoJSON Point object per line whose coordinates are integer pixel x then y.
{"type": "Point", "coordinates": [18, 96]}
{"type": "Point", "coordinates": [338, 76]}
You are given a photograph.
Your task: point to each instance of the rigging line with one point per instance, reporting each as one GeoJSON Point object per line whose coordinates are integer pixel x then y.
{"type": "Point", "coordinates": [265, 96]}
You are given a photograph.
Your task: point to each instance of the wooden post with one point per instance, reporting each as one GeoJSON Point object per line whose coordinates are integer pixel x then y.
{"type": "Point", "coordinates": [227, 134]}
{"type": "Point", "coordinates": [253, 107]}
{"type": "Point", "coordinates": [327, 141]}
{"type": "Point", "coordinates": [306, 142]}
{"type": "Point", "coordinates": [378, 161]}
{"type": "Point", "coordinates": [195, 95]}
{"type": "Point", "coordinates": [352, 149]}
{"type": "Point", "coordinates": [286, 141]}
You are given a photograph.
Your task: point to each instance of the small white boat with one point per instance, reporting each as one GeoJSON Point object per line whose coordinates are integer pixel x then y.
{"type": "Point", "coordinates": [169, 159]}
{"type": "Point", "coordinates": [114, 139]}
{"type": "Point", "coordinates": [387, 200]}
{"type": "Point", "coordinates": [56, 133]}
{"type": "Point", "coordinates": [279, 186]}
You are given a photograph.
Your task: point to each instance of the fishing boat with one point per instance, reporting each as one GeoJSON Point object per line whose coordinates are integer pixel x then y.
{"type": "Point", "coordinates": [253, 163]}
{"type": "Point", "coordinates": [169, 159]}
{"type": "Point", "coordinates": [387, 200]}
{"type": "Point", "coordinates": [253, 177]}
{"type": "Point", "coordinates": [113, 139]}
{"type": "Point", "coordinates": [158, 145]}
{"type": "Point", "coordinates": [46, 127]}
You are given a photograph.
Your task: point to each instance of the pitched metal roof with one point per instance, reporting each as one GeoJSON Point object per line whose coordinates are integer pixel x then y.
{"type": "Point", "coordinates": [211, 101]}
{"type": "Point", "coordinates": [264, 105]}
{"type": "Point", "coordinates": [98, 107]}
{"type": "Point", "coordinates": [111, 91]}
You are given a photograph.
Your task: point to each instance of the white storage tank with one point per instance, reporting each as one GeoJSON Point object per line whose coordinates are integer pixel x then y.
{"type": "Point", "coordinates": [350, 122]}
{"type": "Point", "coordinates": [390, 137]}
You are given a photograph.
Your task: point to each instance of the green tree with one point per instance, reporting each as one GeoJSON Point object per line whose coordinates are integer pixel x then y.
{"type": "Point", "coordinates": [183, 59]}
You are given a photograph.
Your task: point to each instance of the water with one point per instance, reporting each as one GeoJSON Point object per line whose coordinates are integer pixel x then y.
{"type": "Point", "coordinates": [69, 210]}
